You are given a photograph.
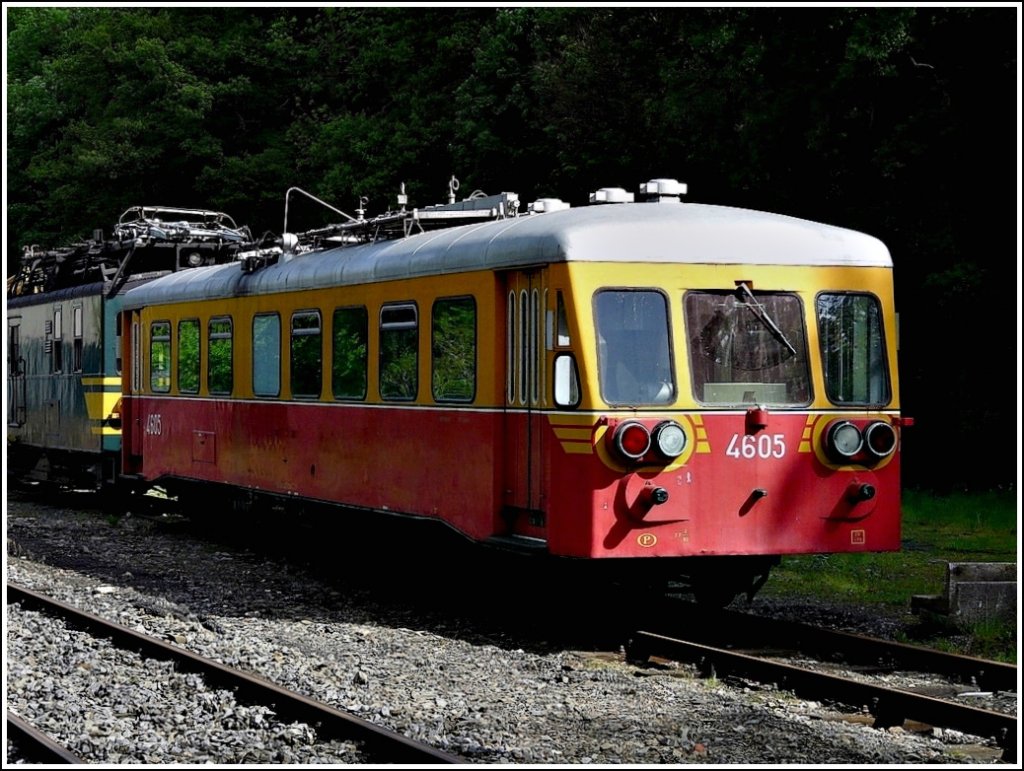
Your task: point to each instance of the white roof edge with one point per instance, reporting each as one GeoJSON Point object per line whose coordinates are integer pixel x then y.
{"type": "Point", "coordinates": [628, 233]}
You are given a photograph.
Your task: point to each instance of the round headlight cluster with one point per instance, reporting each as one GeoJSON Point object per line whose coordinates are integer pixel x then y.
{"type": "Point", "coordinates": [880, 439]}
{"type": "Point", "coordinates": [844, 440]}
{"type": "Point", "coordinates": [670, 439]}
{"type": "Point", "coordinates": [846, 443]}
{"type": "Point", "coordinates": [632, 440]}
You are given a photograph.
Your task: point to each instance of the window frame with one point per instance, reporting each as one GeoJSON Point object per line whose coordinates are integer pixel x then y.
{"type": "Point", "coordinates": [670, 339]}
{"type": "Point", "coordinates": [230, 337]}
{"type": "Point", "coordinates": [398, 326]}
{"type": "Point", "coordinates": [806, 351]}
{"type": "Point", "coordinates": [165, 339]}
{"type": "Point", "coordinates": [277, 392]}
{"type": "Point", "coordinates": [476, 349]}
{"type": "Point", "coordinates": [884, 351]}
{"type": "Point", "coordinates": [293, 334]}
{"type": "Point", "coordinates": [199, 355]}
{"type": "Point", "coordinates": [366, 354]}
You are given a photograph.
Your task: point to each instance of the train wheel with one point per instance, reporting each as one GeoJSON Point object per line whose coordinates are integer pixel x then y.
{"type": "Point", "coordinates": [717, 583]}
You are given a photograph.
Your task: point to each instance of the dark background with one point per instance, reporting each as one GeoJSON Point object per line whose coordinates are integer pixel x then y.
{"type": "Point", "coordinates": [898, 122]}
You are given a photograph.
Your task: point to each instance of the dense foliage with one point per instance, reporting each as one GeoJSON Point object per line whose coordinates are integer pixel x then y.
{"type": "Point", "coordinates": [900, 122]}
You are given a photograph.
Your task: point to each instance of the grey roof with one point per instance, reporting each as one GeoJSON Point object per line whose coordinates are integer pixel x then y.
{"type": "Point", "coordinates": [630, 233]}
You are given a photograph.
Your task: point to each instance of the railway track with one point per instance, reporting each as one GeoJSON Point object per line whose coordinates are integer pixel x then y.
{"type": "Point", "coordinates": [34, 746]}
{"type": "Point", "coordinates": [377, 744]}
{"type": "Point", "coordinates": [735, 644]}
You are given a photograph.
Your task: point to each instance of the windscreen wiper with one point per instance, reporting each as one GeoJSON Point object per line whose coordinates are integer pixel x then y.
{"type": "Point", "coordinates": [747, 297]}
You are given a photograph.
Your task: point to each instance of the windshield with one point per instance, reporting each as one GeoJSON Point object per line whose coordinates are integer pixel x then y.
{"type": "Point", "coordinates": [634, 352]}
{"type": "Point", "coordinates": [747, 348]}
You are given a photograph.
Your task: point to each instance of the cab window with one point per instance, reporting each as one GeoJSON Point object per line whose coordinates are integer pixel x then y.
{"type": "Point", "coordinates": [747, 348]}
{"type": "Point", "coordinates": [853, 349]}
{"type": "Point", "coordinates": [634, 347]}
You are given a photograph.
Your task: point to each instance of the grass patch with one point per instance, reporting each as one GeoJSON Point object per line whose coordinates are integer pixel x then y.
{"type": "Point", "coordinates": [961, 527]}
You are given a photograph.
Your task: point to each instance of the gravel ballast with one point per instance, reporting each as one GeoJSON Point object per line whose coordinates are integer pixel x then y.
{"type": "Point", "coordinates": [472, 658]}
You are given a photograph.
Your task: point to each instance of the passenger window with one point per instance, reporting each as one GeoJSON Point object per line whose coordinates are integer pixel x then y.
{"type": "Point", "coordinates": [307, 354]}
{"type": "Point", "coordinates": [399, 352]}
{"type": "Point", "coordinates": [160, 356]}
{"type": "Point", "coordinates": [188, 356]}
{"type": "Point", "coordinates": [453, 347]}
{"type": "Point", "coordinates": [853, 349]}
{"type": "Point", "coordinates": [220, 371]}
{"type": "Point", "coordinates": [349, 360]}
{"type": "Point", "coordinates": [266, 354]}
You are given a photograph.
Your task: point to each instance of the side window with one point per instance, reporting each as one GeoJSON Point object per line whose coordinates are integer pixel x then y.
{"type": "Point", "coordinates": [349, 360]}
{"type": "Point", "coordinates": [220, 369]}
{"type": "Point", "coordinates": [266, 354]}
{"type": "Point", "coordinates": [58, 340]}
{"type": "Point", "coordinates": [453, 350]}
{"type": "Point", "coordinates": [188, 356]}
{"type": "Point", "coordinates": [76, 351]}
{"type": "Point", "coordinates": [399, 352]}
{"type": "Point", "coordinates": [853, 349]}
{"type": "Point", "coordinates": [160, 356]}
{"type": "Point", "coordinates": [307, 354]}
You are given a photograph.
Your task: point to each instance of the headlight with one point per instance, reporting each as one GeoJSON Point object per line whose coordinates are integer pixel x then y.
{"type": "Point", "coordinates": [843, 440]}
{"type": "Point", "coordinates": [670, 439]}
{"type": "Point", "coordinates": [880, 438]}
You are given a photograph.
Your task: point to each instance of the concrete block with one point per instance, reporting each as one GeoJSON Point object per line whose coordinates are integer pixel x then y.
{"type": "Point", "coordinates": [974, 591]}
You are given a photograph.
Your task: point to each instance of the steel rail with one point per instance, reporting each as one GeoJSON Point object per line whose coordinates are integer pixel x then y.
{"type": "Point", "coordinates": [36, 745]}
{"type": "Point", "coordinates": [889, 706]}
{"type": "Point", "coordinates": [381, 744]}
{"type": "Point", "coordinates": [985, 674]}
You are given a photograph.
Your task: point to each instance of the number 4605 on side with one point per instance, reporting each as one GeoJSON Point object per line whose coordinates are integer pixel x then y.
{"type": "Point", "coordinates": [761, 446]}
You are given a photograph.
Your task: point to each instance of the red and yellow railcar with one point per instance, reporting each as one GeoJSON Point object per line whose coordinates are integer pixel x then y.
{"type": "Point", "coordinates": [690, 388]}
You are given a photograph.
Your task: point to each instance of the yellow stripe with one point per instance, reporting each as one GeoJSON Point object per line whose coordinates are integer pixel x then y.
{"type": "Point", "coordinates": [99, 404]}
{"type": "Point", "coordinates": [805, 446]}
{"type": "Point", "coordinates": [573, 433]}
{"type": "Point", "coordinates": [697, 418]}
{"type": "Point", "coordinates": [702, 433]}
{"type": "Point", "coordinates": [703, 448]}
{"type": "Point", "coordinates": [807, 433]}
{"type": "Point", "coordinates": [101, 381]}
{"type": "Point", "coordinates": [571, 420]}
{"type": "Point", "coordinates": [578, 448]}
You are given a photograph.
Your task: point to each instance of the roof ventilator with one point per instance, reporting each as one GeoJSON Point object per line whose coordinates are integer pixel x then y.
{"type": "Point", "coordinates": [543, 205]}
{"type": "Point", "coordinates": [662, 190]}
{"type": "Point", "coordinates": [611, 195]}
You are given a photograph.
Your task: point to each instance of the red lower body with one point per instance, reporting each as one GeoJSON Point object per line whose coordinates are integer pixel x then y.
{"type": "Point", "coordinates": [546, 475]}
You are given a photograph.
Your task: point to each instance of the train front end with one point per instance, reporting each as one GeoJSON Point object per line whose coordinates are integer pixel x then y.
{"type": "Point", "coordinates": [730, 410]}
